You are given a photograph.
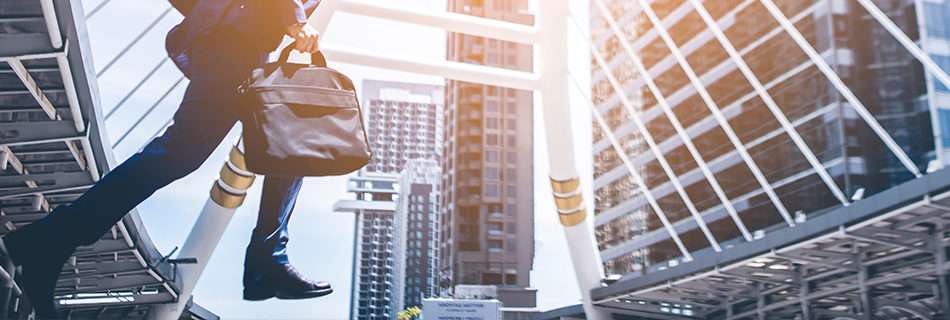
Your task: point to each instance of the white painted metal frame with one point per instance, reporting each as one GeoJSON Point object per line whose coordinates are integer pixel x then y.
{"type": "Point", "coordinates": [448, 69]}
{"type": "Point", "coordinates": [658, 154]}
{"type": "Point", "coordinates": [842, 88]}
{"type": "Point", "coordinates": [16, 64]}
{"type": "Point", "coordinates": [638, 180]}
{"type": "Point", "coordinates": [680, 131]}
{"type": "Point", "coordinates": [448, 21]}
{"type": "Point", "coordinates": [58, 43]}
{"type": "Point", "coordinates": [550, 79]}
{"type": "Point", "coordinates": [776, 111]}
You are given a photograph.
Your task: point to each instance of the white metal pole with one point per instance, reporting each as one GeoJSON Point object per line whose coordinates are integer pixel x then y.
{"type": "Point", "coordinates": [52, 23]}
{"type": "Point", "coordinates": [551, 56]}
{"type": "Point", "coordinates": [227, 195]}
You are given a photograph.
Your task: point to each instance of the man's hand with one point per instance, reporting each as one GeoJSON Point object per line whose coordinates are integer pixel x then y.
{"type": "Point", "coordinates": [307, 37]}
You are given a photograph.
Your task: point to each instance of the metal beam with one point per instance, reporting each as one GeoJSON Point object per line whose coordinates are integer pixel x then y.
{"type": "Point", "coordinates": [448, 69]}
{"type": "Point", "coordinates": [773, 107]}
{"type": "Point", "coordinates": [33, 88]}
{"type": "Point", "coordinates": [448, 21]}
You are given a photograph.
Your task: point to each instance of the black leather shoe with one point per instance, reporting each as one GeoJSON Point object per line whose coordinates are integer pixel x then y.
{"type": "Point", "coordinates": [40, 262]}
{"type": "Point", "coordinates": [281, 281]}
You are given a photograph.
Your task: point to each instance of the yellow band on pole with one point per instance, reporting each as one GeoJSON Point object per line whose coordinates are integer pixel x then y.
{"type": "Point", "coordinates": [226, 199]}
{"type": "Point", "coordinates": [573, 219]}
{"type": "Point", "coordinates": [568, 186]}
{"type": "Point", "coordinates": [234, 179]}
{"type": "Point", "coordinates": [569, 201]}
{"type": "Point", "coordinates": [236, 157]}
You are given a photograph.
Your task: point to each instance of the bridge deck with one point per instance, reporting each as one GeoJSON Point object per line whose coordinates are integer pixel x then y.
{"type": "Point", "coordinates": [889, 250]}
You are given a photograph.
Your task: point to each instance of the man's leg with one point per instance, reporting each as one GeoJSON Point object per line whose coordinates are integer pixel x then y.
{"type": "Point", "coordinates": [269, 239]}
{"type": "Point", "coordinates": [267, 269]}
{"type": "Point", "coordinates": [42, 247]}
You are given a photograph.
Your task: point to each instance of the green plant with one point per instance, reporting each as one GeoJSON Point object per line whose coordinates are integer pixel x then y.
{"type": "Point", "coordinates": [409, 314]}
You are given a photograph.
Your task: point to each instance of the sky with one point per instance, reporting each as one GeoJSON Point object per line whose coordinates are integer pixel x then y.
{"type": "Point", "coordinates": [321, 239]}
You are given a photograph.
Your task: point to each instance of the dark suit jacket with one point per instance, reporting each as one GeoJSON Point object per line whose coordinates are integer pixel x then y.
{"type": "Point", "coordinates": [258, 23]}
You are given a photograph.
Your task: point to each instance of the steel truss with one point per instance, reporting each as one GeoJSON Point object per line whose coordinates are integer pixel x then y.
{"type": "Point", "coordinates": [890, 267]}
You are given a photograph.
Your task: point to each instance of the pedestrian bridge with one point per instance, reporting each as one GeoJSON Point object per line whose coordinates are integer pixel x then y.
{"type": "Point", "coordinates": [883, 256]}
{"type": "Point", "coordinates": [52, 148]}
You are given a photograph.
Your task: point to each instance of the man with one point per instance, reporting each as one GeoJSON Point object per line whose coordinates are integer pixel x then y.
{"type": "Point", "coordinates": [217, 45]}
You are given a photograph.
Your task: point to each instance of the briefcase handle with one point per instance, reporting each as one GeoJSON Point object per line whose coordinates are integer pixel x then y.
{"type": "Point", "coordinates": [316, 59]}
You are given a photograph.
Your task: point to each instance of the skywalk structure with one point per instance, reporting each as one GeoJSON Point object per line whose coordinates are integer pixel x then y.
{"type": "Point", "coordinates": [777, 160]}
{"type": "Point", "coordinates": [52, 149]}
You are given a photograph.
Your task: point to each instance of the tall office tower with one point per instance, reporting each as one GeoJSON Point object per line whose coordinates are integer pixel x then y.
{"type": "Point", "coordinates": [416, 235]}
{"type": "Point", "coordinates": [403, 123]}
{"type": "Point", "coordinates": [873, 64]}
{"type": "Point", "coordinates": [487, 179]}
{"type": "Point", "coordinates": [374, 206]}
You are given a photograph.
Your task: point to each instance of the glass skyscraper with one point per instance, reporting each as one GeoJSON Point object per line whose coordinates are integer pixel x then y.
{"type": "Point", "coordinates": [884, 76]}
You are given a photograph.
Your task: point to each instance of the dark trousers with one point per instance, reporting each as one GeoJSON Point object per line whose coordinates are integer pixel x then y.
{"type": "Point", "coordinates": [207, 113]}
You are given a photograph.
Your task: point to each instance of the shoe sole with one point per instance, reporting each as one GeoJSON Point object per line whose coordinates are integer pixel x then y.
{"type": "Point", "coordinates": [304, 295]}
{"type": "Point", "coordinates": [258, 296]}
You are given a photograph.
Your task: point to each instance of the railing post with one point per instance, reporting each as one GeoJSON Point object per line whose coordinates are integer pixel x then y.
{"type": "Point", "coordinates": [551, 60]}
{"type": "Point", "coordinates": [227, 195]}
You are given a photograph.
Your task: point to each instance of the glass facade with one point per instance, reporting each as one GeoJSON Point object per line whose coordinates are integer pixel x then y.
{"type": "Point", "coordinates": [883, 75]}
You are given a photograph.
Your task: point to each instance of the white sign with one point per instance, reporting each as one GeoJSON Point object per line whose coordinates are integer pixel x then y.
{"type": "Point", "coordinates": [451, 309]}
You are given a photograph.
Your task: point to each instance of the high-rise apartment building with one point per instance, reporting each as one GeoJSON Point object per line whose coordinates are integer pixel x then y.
{"type": "Point", "coordinates": [402, 126]}
{"type": "Point", "coordinates": [488, 221]}
{"type": "Point", "coordinates": [374, 206]}
{"type": "Point", "coordinates": [881, 73]}
{"type": "Point", "coordinates": [416, 235]}
{"type": "Point", "coordinates": [403, 123]}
